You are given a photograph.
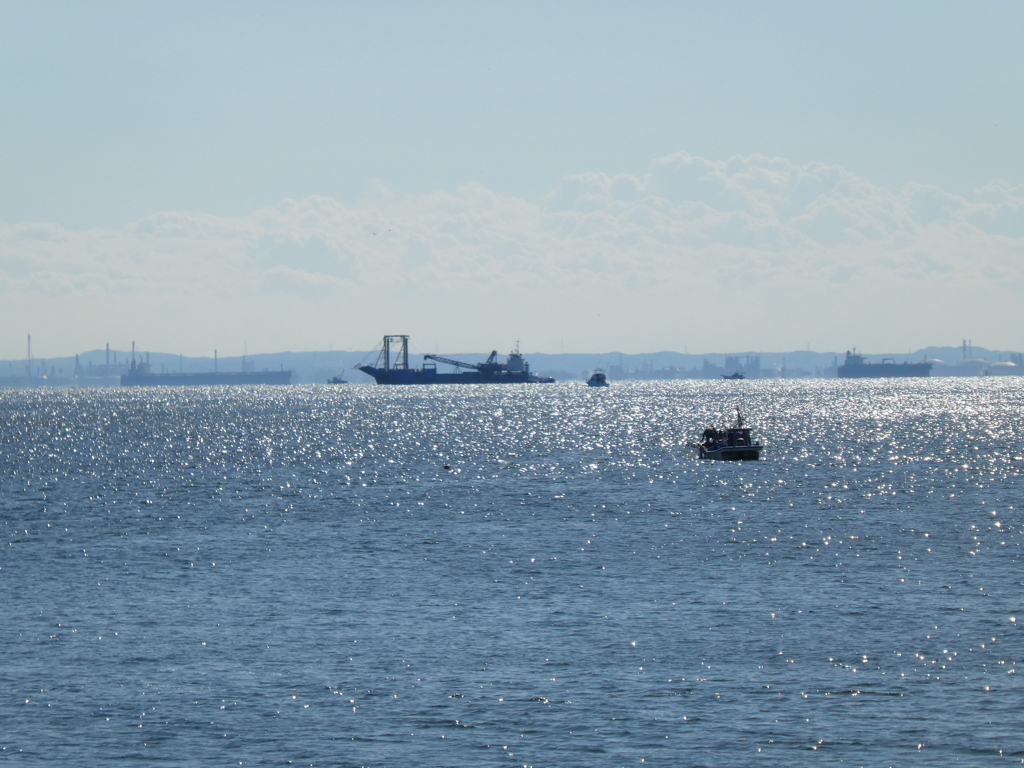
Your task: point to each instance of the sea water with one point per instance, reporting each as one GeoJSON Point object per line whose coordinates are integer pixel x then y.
{"type": "Point", "coordinates": [528, 575]}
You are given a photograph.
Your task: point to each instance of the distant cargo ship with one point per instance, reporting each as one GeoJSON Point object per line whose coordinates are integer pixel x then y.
{"type": "Point", "coordinates": [141, 375]}
{"type": "Point", "coordinates": [514, 370]}
{"type": "Point", "coordinates": [856, 367]}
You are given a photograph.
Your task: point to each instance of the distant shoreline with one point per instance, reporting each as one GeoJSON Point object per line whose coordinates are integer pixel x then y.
{"type": "Point", "coordinates": [102, 367]}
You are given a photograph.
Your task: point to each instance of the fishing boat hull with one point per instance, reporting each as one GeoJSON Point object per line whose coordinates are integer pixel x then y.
{"type": "Point", "coordinates": [731, 453]}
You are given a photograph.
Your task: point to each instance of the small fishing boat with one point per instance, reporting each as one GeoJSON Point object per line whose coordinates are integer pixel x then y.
{"type": "Point", "coordinates": [734, 376]}
{"type": "Point", "coordinates": [597, 379]}
{"type": "Point", "coordinates": [730, 444]}
{"type": "Point", "coordinates": [336, 380]}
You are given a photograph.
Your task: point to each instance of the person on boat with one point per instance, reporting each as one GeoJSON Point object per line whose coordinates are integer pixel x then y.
{"type": "Point", "coordinates": [709, 435]}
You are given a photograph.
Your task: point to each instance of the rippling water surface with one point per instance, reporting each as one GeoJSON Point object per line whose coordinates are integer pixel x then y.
{"type": "Point", "coordinates": [512, 575]}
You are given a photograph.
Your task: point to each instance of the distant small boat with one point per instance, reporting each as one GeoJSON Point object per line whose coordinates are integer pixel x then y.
{"type": "Point", "coordinates": [730, 444]}
{"type": "Point", "coordinates": [336, 380]}
{"type": "Point", "coordinates": [597, 379]}
{"type": "Point", "coordinates": [734, 376]}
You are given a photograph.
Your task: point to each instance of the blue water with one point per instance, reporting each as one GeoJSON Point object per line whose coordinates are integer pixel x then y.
{"type": "Point", "coordinates": [292, 576]}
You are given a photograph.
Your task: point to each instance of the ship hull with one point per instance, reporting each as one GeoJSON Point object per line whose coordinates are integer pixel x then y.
{"type": "Point", "coordinates": [731, 453]}
{"type": "Point", "coordinates": [401, 376]}
{"type": "Point", "coordinates": [205, 379]}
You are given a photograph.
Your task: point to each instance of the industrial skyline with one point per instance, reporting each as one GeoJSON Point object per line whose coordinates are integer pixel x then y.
{"type": "Point", "coordinates": [104, 367]}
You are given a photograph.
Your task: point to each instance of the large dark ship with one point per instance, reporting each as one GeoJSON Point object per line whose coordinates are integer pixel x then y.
{"type": "Point", "coordinates": [396, 370]}
{"type": "Point", "coordinates": [857, 367]}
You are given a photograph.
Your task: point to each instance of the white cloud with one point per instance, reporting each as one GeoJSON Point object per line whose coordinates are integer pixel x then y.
{"type": "Point", "coordinates": [747, 253]}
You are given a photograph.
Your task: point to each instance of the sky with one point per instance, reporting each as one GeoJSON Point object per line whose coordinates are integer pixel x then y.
{"type": "Point", "coordinates": [566, 176]}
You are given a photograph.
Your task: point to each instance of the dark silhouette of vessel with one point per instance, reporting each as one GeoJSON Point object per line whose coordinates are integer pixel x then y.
{"type": "Point", "coordinates": [515, 370]}
{"type": "Point", "coordinates": [149, 379]}
{"type": "Point", "coordinates": [141, 374]}
{"type": "Point", "coordinates": [730, 444]}
{"type": "Point", "coordinates": [857, 367]}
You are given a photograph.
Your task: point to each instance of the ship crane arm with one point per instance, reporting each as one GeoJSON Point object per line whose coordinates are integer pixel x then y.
{"type": "Point", "coordinates": [490, 362]}
{"type": "Point", "coordinates": [449, 361]}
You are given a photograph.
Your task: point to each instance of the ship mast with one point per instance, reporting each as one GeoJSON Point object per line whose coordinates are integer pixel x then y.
{"type": "Point", "coordinates": [401, 359]}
